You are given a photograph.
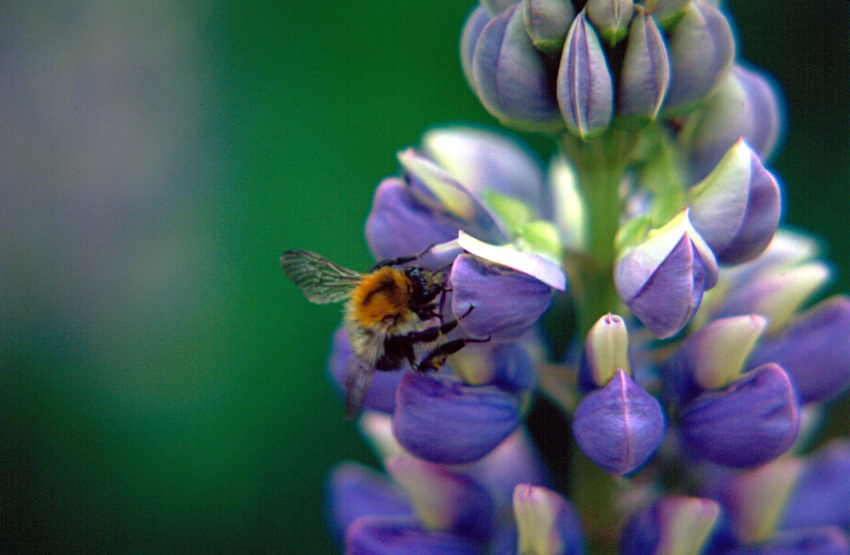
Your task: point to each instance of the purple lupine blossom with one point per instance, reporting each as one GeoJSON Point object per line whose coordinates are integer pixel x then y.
{"type": "Point", "coordinates": [692, 369]}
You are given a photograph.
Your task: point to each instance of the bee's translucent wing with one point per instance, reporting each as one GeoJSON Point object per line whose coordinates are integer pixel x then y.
{"type": "Point", "coordinates": [358, 377]}
{"type": "Point", "coordinates": [321, 280]}
{"type": "Point", "coordinates": [358, 374]}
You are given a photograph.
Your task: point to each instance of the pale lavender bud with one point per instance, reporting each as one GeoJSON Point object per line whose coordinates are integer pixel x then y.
{"type": "Point", "coordinates": [495, 7]}
{"type": "Point", "coordinates": [444, 421]}
{"type": "Point", "coordinates": [736, 208]}
{"type": "Point", "coordinates": [475, 22]}
{"type": "Point", "coordinates": [746, 105]}
{"type": "Point", "coordinates": [546, 522]}
{"type": "Point", "coordinates": [662, 279]}
{"type": "Point", "coordinates": [484, 161]}
{"type": "Point", "coordinates": [606, 350]}
{"type": "Point", "coordinates": [750, 422]}
{"type": "Point", "coordinates": [673, 524]}
{"type": "Point", "coordinates": [821, 495]}
{"type": "Point", "coordinates": [645, 74]}
{"type": "Point", "coordinates": [667, 12]}
{"type": "Point", "coordinates": [619, 426]}
{"type": "Point", "coordinates": [547, 23]}
{"type": "Point", "coordinates": [443, 499]}
{"type": "Point", "coordinates": [814, 349]}
{"type": "Point", "coordinates": [585, 89]}
{"type": "Point", "coordinates": [610, 17]}
{"type": "Point", "coordinates": [702, 51]}
{"type": "Point", "coordinates": [514, 81]}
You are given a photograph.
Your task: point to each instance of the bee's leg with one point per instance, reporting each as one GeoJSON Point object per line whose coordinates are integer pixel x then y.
{"type": "Point", "coordinates": [438, 355]}
{"type": "Point", "coordinates": [431, 334]}
{"type": "Point", "coordinates": [401, 259]}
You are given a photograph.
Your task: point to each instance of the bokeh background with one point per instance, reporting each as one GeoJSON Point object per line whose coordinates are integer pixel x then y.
{"type": "Point", "coordinates": [162, 387]}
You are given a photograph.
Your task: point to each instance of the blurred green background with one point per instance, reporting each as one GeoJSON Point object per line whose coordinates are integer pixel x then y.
{"type": "Point", "coordinates": [162, 387]}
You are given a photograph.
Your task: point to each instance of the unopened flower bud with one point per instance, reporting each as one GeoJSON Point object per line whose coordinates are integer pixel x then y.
{"type": "Point", "coordinates": [546, 523]}
{"type": "Point", "coordinates": [713, 356]}
{"type": "Point", "coordinates": [645, 74]}
{"type": "Point", "coordinates": [702, 50]}
{"type": "Point", "coordinates": [755, 499]}
{"type": "Point", "coordinates": [619, 426]}
{"type": "Point", "coordinates": [736, 208]}
{"type": "Point", "coordinates": [358, 491]}
{"type": "Point", "coordinates": [667, 12]}
{"type": "Point", "coordinates": [606, 350]}
{"type": "Point", "coordinates": [513, 80]}
{"type": "Point", "coordinates": [611, 18]}
{"type": "Point", "coordinates": [673, 524]}
{"type": "Point", "coordinates": [585, 88]}
{"type": "Point", "coordinates": [662, 279]}
{"type": "Point", "coordinates": [547, 23]}
{"type": "Point", "coordinates": [745, 105]}
{"type": "Point", "coordinates": [447, 422]}
{"type": "Point", "coordinates": [443, 499]}
{"type": "Point", "coordinates": [814, 349]}
{"type": "Point", "coordinates": [750, 422]}
{"type": "Point", "coordinates": [821, 495]}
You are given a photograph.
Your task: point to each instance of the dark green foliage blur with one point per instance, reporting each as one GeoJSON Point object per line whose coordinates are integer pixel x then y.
{"type": "Point", "coordinates": [162, 386]}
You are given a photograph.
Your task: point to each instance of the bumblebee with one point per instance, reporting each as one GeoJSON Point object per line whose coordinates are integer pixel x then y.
{"type": "Point", "coordinates": [386, 314]}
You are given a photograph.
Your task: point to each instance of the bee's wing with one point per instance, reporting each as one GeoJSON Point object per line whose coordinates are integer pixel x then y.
{"type": "Point", "coordinates": [358, 375]}
{"type": "Point", "coordinates": [321, 280]}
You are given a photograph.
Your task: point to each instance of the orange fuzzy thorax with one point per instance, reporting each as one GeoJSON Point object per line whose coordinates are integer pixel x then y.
{"type": "Point", "coordinates": [381, 297]}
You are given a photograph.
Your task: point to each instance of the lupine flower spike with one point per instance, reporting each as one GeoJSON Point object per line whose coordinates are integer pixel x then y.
{"type": "Point", "coordinates": [640, 281]}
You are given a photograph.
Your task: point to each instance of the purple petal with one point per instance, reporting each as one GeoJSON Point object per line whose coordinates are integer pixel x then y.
{"type": "Point", "coordinates": [673, 524]}
{"type": "Point", "coordinates": [472, 27]}
{"type": "Point", "coordinates": [585, 88]}
{"type": "Point", "coordinates": [619, 426]}
{"type": "Point", "coordinates": [446, 422]}
{"type": "Point", "coordinates": [671, 294]}
{"type": "Point", "coordinates": [403, 536]}
{"type": "Point", "coordinates": [702, 50]}
{"type": "Point", "coordinates": [821, 496]}
{"type": "Point", "coordinates": [487, 161]}
{"type": "Point", "coordinates": [400, 225]}
{"type": "Point", "coordinates": [737, 207]}
{"type": "Point", "coordinates": [357, 491]}
{"type": "Point", "coordinates": [513, 368]}
{"type": "Point", "coordinates": [811, 541]}
{"type": "Point", "coordinates": [444, 499]}
{"type": "Point", "coordinates": [746, 105]}
{"type": "Point", "coordinates": [514, 461]}
{"type": "Point", "coordinates": [611, 17]}
{"type": "Point", "coordinates": [814, 350]}
{"type": "Point", "coordinates": [645, 75]}
{"type": "Point", "coordinates": [507, 303]}
{"type": "Point", "coordinates": [381, 395]}
{"type": "Point", "coordinates": [765, 111]}
{"type": "Point", "coordinates": [547, 23]}
{"type": "Point", "coordinates": [513, 80]}
{"type": "Point", "coordinates": [749, 423]}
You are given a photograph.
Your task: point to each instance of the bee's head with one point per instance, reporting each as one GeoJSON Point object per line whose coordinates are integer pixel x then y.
{"type": "Point", "coordinates": [425, 285]}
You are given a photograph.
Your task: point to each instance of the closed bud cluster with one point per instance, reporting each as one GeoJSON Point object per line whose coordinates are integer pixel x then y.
{"type": "Point", "coordinates": [542, 64]}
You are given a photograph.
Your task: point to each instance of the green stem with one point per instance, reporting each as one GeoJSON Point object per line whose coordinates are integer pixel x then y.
{"type": "Point", "coordinates": [601, 164]}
